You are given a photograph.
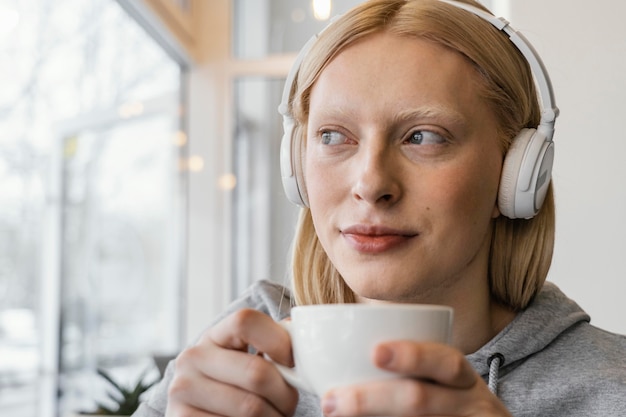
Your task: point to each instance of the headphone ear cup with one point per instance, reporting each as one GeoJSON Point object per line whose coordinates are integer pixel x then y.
{"type": "Point", "coordinates": [511, 169]}
{"type": "Point", "coordinates": [510, 172]}
{"type": "Point", "coordinates": [290, 166]}
{"type": "Point", "coordinates": [526, 175]}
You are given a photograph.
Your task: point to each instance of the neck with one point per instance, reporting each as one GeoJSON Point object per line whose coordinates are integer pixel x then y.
{"type": "Point", "coordinates": [476, 323]}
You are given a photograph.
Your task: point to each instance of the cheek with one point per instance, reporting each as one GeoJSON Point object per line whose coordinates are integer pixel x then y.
{"type": "Point", "coordinates": [324, 181]}
{"type": "Point", "coordinates": [321, 194]}
{"type": "Point", "coordinates": [472, 193]}
{"type": "Point", "coordinates": [314, 180]}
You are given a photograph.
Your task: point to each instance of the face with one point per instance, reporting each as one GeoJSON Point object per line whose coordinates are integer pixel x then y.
{"type": "Point", "coordinates": [402, 169]}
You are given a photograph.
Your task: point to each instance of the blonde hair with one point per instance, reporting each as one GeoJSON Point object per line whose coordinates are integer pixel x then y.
{"type": "Point", "coordinates": [521, 250]}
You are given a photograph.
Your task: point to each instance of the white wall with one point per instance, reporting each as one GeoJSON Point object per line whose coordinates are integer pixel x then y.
{"type": "Point", "coordinates": [583, 46]}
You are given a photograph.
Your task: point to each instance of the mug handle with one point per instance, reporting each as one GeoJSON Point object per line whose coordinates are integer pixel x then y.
{"type": "Point", "coordinates": [290, 374]}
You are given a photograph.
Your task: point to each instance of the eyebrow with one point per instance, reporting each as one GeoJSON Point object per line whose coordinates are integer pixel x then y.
{"type": "Point", "coordinates": [438, 113]}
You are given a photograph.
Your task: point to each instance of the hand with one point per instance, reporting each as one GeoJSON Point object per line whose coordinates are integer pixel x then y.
{"type": "Point", "coordinates": [218, 377]}
{"type": "Point", "coordinates": [439, 382]}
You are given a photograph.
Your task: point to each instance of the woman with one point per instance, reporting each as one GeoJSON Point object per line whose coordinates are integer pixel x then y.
{"type": "Point", "coordinates": [403, 114]}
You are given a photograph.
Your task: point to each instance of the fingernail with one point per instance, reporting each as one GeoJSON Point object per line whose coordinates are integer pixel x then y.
{"type": "Point", "coordinates": [329, 404]}
{"type": "Point", "coordinates": [383, 356]}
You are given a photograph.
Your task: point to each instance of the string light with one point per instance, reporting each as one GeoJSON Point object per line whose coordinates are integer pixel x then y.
{"type": "Point", "coordinates": [180, 138]}
{"type": "Point", "coordinates": [321, 9]}
{"type": "Point", "coordinates": [227, 182]}
{"type": "Point", "coordinates": [195, 163]}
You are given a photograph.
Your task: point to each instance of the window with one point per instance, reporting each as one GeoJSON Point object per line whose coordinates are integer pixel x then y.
{"type": "Point", "coordinates": [264, 220]}
{"type": "Point", "coordinates": [271, 27]}
{"type": "Point", "coordinates": [92, 214]}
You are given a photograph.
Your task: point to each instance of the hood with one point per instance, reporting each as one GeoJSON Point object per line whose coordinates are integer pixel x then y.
{"type": "Point", "coordinates": [548, 315]}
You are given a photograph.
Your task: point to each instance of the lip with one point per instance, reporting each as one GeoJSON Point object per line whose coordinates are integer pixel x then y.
{"type": "Point", "coordinates": [372, 239]}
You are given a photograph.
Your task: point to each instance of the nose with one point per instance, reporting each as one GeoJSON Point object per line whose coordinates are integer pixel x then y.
{"type": "Point", "coordinates": [377, 179]}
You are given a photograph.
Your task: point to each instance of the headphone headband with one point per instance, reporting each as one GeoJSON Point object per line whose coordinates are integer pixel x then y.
{"type": "Point", "coordinates": [542, 79]}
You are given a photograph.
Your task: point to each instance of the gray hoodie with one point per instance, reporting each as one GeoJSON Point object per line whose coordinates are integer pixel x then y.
{"type": "Point", "coordinates": [549, 361]}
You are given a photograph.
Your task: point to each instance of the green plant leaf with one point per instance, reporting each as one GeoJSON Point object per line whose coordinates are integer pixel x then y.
{"type": "Point", "coordinates": [106, 376]}
{"type": "Point", "coordinates": [105, 410]}
{"type": "Point", "coordinates": [128, 400]}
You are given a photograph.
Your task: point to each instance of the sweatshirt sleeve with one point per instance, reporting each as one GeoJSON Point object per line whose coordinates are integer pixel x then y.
{"type": "Point", "coordinates": [266, 296]}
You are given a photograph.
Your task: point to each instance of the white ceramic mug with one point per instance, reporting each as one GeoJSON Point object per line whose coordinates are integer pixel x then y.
{"type": "Point", "coordinates": [333, 343]}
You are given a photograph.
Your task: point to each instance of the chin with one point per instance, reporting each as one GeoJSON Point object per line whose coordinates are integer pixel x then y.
{"type": "Point", "coordinates": [374, 290]}
{"type": "Point", "coordinates": [402, 289]}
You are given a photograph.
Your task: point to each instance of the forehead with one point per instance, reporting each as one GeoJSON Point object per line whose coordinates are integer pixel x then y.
{"type": "Point", "coordinates": [389, 73]}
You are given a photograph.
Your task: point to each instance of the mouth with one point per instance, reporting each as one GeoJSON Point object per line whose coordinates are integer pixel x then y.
{"type": "Point", "coordinates": [376, 239]}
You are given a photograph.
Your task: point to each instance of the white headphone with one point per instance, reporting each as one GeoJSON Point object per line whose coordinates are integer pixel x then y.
{"type": "Point", "coordinates": [527, 168]}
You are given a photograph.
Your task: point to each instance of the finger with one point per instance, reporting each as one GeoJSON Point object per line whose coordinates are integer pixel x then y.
{"type": "Point", "coordinates": [431, 361]}
{"type": "Point", "coordinates": [252, 373]}
{"type": "Point", "coordinates": [401, 396]}
{"type": "Point", "coordinates": [195, 394]}
{"type": "Point", "coordinates": [249, 327]}
{"type": "Point", "coordinates": [175, 411]}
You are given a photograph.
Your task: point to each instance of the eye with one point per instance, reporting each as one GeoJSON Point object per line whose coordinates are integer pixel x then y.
{"type": "Point", "coordinates": [331, 137]}
{"type": "Point", "coordinates": [425, 137]}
